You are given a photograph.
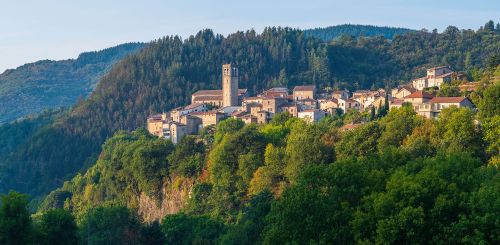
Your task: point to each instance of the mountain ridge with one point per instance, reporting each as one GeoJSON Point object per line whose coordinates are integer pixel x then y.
{"type": "Point", "coordinates": [49, 84]}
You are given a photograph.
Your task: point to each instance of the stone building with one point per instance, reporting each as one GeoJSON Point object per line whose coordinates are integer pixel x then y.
{"type": "Point", "coordinates": [178, 112]}
{"type": "Point", "coordinates": [434, 78]}
{"type": "Point", "coordinates": [209, 118]}
{"type": "Point", "coordinates": [304, 92]}
{"type": "Point", "coordinates": [418, 98]}
{"type": "Point", "coordinates": [155, 125]}
{"type": "Point", "coordinates": [402, 91]}
{"type": "Point", "coordinates": [432, 108]}
{"type": "Point", "coordinates": [177, 131]}
{"type": "Point", "coordinates": [340, 94]}
{"type": "Point", "coordinates": [312, 115]}
{"type": "Point", "coordinates": [348, 104]}
{"type": "Point", "coordinates": [213, 97]}
{"type": "Point", "coordinates": [229, 85]}
{"type": "Point", "coordinates": [292, 108]}
{"type": "Point", "coordinates": [273, 104]}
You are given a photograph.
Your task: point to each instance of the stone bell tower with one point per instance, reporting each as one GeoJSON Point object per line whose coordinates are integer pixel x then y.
{"type": "Point", "coordinates": [229, 85]}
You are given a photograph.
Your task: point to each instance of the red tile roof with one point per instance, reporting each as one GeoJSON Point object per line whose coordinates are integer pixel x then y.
{"type": "Point", "coordinates": [448, 99]}
{"type": "Point", "coordinates": [339, 91]}
{"type": "Point", "coordinates": [275, 94]}
{"type": "Point", "coordinates": [192, 106]}
{"type": "Point", "coordinates": [207, 92]}
{"type": "Point", "coordinates": [252, 98]}
{"type": "Point", "coordinates": [420, 94]}
{"type": "Point", "coordinates": [304, 88]}
{"type": "Point", "coordinates": [215, 92]}
{"type": "Point", "coordinates": [213, 112]}
{"type": "Point", "coordinates": [238, 113]}
{"type": "Point", "coordinates": [397, 102]}
{"type": "Point", "coordinates": [248, 115]}
{"type": "Point", "coordinates": [411, 89]}
{"type": "Point", "coordinates": [208, 98]}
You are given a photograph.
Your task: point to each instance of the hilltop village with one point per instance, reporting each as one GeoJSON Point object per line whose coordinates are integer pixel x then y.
{"type": "Point", "coordinates": [209, 107]}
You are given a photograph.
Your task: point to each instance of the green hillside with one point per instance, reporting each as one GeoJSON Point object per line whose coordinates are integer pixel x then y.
{"type": "Point", "coordinates": [165, 73]}
{"type": "Point", "coordinates": [334, 32]}
{"type": "Point", "coordinates": [398, 178]}
{"type": "Point", "coordinates": [47, 84]}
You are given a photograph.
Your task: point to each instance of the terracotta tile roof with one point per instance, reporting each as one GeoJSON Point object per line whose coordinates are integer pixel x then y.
{"type": "Point", "coordinates": [351, 100]}
{"type": "Point", "coordinates": [410, 89]}
{"type": "Point", "coordinates": [155, 118]}
{"type": "Point", "coordinates": [215, 92]}
{"type": "Point", "coordinates": [213, 112]}
{"type": "Point", "coordinates": [238, 113]}
{"type": "Point", "coordinates": [362, 91]}
{"type": "Point", "coordinates": [339, 91]}
{"type": "Point", "coordinates": [252, 98]}
{"type": "Point", "coordinates": [275, 94]}
{"type": "Point", "coordinates": [273, 98]}
{"type": "Point", "coordinates": [397, 102]}
{"type": "Point", "coordinates": [304, 88]}
{"type": "Point", "coordinates": [207, 92]}
{"type": "Point", "coordinates": [276, 90]}
{"type": "Point", "coordinates": [192, 106]}
{"type": "Point", "coordinates": [420, 94]}
{"type": "Point", "coordinates": [448, 99]}
{"type": "Point", "coordinates": [208, 98]}
{"type": "Point", "coordinates": [249, 115]}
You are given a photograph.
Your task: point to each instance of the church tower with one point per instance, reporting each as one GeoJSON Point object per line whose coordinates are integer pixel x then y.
{"type": "Point", "coordinates": [229, 85]}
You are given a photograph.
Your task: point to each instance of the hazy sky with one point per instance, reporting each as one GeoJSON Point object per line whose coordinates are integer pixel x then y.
{"type": "Point", "coordinates": [31, 30]}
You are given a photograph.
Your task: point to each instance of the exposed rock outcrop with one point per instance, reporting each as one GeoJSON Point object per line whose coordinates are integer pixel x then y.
{"type": "Point", "coordinates": [175, 194]}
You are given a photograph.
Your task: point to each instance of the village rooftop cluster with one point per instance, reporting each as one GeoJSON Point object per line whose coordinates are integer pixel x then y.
{"type": "Point", "coordinates": [209, 107]}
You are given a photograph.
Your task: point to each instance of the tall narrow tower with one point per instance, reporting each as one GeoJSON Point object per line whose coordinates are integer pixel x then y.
{"type": "Point", "coordinates": [229, 85]}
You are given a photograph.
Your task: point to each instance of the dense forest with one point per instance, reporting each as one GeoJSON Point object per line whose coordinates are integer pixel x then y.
{"type": "Point", "coordinates": [47, 84]}
{"type": "Point", "coordinates": [164, 74]}
{"type": "Point", "coordinates": [398, 178]}
{"type": "Point", "coordinates": [334, 32]}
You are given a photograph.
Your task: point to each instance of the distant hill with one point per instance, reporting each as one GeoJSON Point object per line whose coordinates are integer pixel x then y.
{"type": "Point", "coordinates": [46, 84]}
{"type": "Point", "coordinates": [333, 32]}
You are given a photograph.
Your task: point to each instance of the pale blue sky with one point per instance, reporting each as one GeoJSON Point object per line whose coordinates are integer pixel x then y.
{"type": "Point", "coordinates": [31, 30]}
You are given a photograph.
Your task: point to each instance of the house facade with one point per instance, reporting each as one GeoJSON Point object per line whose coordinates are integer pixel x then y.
{"type": "Point", "coordinates": [435, 77]}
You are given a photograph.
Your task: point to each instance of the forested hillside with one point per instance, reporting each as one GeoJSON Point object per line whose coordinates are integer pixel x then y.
{"type": "Point", "coordinates": [48, 84]}
{"type": "Point", "coordinates": [398, 178]}
{"type": "Point", "coordinates": [164, 74]}
{"type": "Point", "coordinates": [333, 32]}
